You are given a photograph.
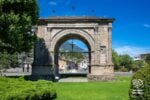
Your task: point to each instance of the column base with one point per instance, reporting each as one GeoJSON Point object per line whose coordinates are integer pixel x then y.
{"type": "Point", "coordinates": [40, 77]}
{"type": "Point", "coordinates": [101, 73]}
{"type": "Point", "coordinates": [42, 70]}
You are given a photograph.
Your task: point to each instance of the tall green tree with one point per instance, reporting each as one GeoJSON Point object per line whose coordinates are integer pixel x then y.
{"type": "Point", "coordinates": [147, 59]}
{"type": "Point", "coordinates": [137, 64]}
{"type": "Point", "coordinates": [116, 60]}
{"type": "Point", "coordinates": [122, 62]}
{"type": "Point", "coordinates": [126, 62]}
{"type": "Point", "coordinates": [16, 20]}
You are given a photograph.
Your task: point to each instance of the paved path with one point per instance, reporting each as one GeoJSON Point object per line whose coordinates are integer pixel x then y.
{"type": "Point", "coordinates": [123, 73]}
{"type": "Point", "coordinates": [73, 79]}
{"type": "Point", "coordinates": [15, 74]}
{"type": "Point", "coordinates": [18, 72]}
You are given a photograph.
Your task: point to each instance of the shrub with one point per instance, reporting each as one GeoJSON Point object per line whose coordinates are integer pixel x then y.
{"type": "Point", "coordinates": [123, 69]}
{"type": "Point", "coordinates": [140, 84]}
{"type": "Point", "coordinates": [8, 60]}
{"type": "Point", "coordinates": [19, 89]}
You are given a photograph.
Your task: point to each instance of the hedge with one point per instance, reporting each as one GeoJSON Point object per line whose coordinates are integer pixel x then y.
{"type": "Point", "coordinates": [140, 84]}
{"type": "Point", "coordinates": [20, 89]}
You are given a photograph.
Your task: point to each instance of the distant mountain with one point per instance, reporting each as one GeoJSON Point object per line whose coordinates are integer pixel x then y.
{"type": "Point", "coordinates": [69, 46]}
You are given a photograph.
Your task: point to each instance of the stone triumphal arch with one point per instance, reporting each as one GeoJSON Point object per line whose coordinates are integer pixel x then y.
{"type": "Point", "coordinates": [94, 32]}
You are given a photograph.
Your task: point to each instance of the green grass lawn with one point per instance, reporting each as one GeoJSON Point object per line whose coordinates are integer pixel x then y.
{"type": "Point", "coordinates": [114, 90]}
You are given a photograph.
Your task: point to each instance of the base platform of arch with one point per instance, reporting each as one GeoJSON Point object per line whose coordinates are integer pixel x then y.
{"type": "Point", "coordinates": [101, 73]}
{"type": "Point", "coordinates": [97, 73]}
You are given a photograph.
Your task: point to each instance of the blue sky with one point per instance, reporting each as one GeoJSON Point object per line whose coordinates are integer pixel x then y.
{"type": "Point", "coordinates": [131, 29]}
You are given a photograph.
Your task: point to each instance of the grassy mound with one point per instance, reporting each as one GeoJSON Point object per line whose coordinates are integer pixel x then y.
{"type": "Point", "coordinates": [19, 89]}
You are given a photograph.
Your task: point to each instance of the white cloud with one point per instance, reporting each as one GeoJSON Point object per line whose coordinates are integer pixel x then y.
{"type": "Point", "coordinates": [132, 51]}
{"type": "Point", "coordinates": [147, 25]}
{"type": "Point", "coordinates": [52, 3]}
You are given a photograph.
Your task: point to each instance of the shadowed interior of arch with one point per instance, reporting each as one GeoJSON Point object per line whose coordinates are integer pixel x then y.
{"type": "Point", "coordinates": [72, 56]}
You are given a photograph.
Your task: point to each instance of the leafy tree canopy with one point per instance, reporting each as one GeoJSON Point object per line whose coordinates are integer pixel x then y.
{"type": "Point", "coordinates": [16, 20]}
{"type": "Point", "coordinates": [148, 59]}
{"type": "Point", "coordinates": [126, 61]}
{"type": "Point", "coordinates": [122, 62]}
{"type": "Point", "coordinates": [116, 60]}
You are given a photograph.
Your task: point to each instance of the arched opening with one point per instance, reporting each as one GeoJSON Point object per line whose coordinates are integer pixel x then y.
{"type": "Point", "coordinates": [72, 55]}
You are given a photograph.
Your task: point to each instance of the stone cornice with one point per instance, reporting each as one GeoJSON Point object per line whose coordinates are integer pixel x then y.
{"type": "Point", "coordinates": [75, 20]}
{"type": "Point", "coordinates": [75, 25]}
